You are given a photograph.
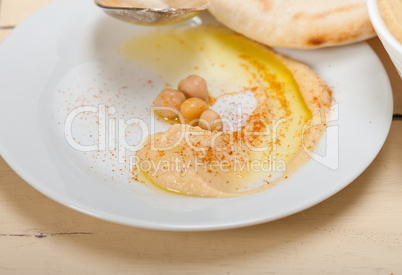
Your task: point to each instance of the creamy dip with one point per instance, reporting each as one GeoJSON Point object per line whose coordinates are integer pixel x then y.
{"type": "Point", "coordinates": [242, 160]}
{"type": "Point", "coordinates": [391, 13]}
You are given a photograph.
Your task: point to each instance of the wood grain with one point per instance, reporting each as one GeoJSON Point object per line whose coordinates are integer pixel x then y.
{"type": "Point", "coordinates": [12, 12]}
{"type": "Point", "coordinates": [357, 231]}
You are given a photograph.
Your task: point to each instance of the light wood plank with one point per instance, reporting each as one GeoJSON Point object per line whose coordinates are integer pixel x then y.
{"type": "Point", "coordinates": [13, 12]}
{"type": "Point", "coordinates": [393, 75]}
{"type": "Point", "coordinates": [356, 231]}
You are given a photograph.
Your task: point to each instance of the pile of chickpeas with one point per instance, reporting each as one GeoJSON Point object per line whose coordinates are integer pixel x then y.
{"type": "Point", "coordinates": [191, 100]}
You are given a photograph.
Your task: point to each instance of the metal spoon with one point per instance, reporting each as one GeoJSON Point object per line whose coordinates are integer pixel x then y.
{"type": "Point", "coordinates": [167, 13]}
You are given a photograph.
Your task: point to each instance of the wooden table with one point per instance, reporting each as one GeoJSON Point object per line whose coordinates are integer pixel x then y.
{"type": "Point", "coordinates": [357, 231]}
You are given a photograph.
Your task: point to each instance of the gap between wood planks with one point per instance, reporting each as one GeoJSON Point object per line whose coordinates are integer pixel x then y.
{"type": "Point", "coordinates": [43, 235]}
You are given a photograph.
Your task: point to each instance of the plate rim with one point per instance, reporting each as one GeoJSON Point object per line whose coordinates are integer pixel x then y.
{"type": "Point", "coordinates": [85, 209]}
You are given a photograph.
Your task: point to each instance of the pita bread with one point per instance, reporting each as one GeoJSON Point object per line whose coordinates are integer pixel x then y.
{"type": "Point", "coordinates": [301, 24]}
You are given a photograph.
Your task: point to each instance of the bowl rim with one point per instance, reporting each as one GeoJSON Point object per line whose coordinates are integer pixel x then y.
{"type": "Point", "coordinates": [381, 28]}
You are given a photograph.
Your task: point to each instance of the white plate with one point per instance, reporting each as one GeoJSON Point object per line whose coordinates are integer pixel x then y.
{"type": "Point", "coordinates": [64, 46]}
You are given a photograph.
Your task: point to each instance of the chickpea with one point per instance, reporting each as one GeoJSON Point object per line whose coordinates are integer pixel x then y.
{"type": "Point", "coordinates": [194, 86]}
{"type": "Point", "coordinates": [169, 98]}
{"type": "Point", "coordinates": [211, 120]}
{"type": "Point", "coordinates": [193, 108]}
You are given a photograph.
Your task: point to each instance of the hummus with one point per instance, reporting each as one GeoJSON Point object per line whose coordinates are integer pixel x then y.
{"type": "Point", "coordinates": [391, 13]}
{"type": "Point", "coordinates": [247, 158]}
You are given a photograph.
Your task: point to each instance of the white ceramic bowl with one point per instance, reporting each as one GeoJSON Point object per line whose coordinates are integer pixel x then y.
{"type": "Point", "coordinates": [391, 44]}
{"type": "Point", "coordinates": [73, 54]}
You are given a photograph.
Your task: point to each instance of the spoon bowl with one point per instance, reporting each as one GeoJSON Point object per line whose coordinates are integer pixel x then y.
{"type": "Point", "coordinates": [172, 12]}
